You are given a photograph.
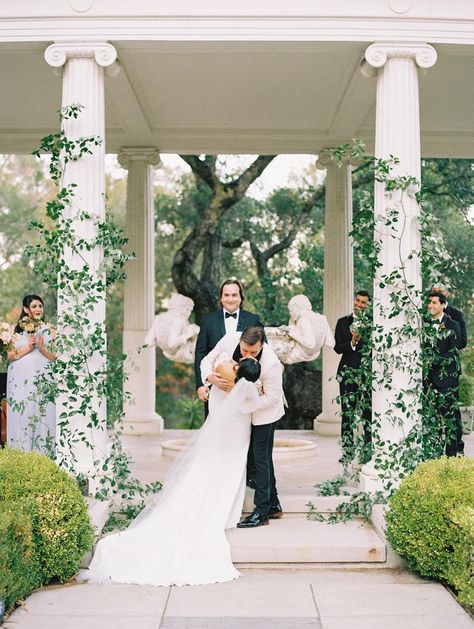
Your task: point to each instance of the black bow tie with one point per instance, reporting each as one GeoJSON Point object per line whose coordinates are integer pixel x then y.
{"type": "Point", "coordinates": [233, 315]}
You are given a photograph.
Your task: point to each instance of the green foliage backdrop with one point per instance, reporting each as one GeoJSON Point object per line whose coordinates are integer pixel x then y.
{"type": "Point", "coordinates": [250, 225]}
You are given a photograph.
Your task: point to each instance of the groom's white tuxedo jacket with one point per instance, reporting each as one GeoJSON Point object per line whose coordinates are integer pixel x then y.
{"type": "Point", "coordinates": [271, 400]}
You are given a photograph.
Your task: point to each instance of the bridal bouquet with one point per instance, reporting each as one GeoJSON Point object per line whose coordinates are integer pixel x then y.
{"type": "Point", "coordinates": [30, 325]}
{"type": "Point", "coordinates": [7, 336]}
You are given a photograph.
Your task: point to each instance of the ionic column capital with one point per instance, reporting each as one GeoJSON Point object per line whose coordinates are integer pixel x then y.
{"type": "Point", "coordinates": [58, 54]}
{"type": "Point", "coordinates": [326, 159]}
{"type": "Point", "coordinates": [150, 155]}
{"type": "Point", "coordinates": [379, 53]}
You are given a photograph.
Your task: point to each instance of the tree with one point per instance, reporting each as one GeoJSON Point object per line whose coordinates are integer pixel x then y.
{"type": "Point", "coordinates": [23, 191]}
{"type": "Point", "coordinates": [213, 200]}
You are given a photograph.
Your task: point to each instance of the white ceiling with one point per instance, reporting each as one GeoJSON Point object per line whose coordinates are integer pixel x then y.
{"type": "Point", "coordinates": [237, 97]}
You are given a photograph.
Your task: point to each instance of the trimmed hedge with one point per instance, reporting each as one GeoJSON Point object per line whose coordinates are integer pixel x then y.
{"type": "Point", "coordinates": [431, 523]}
{"type": "Point", "coordinates": [20, 570]}
{"type": "Point", "coordinates": [45, 527]}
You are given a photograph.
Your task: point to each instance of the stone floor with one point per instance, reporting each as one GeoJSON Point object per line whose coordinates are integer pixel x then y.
{"type": "Point", "coordinates": [283, 596]}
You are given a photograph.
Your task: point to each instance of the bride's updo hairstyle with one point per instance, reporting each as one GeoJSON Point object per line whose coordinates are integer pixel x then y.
{"type": "Point", "coordinates": [248, 368]}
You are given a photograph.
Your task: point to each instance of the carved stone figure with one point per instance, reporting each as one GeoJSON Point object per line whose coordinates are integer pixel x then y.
{"type": "Point", "coordinates": [304, 336]}
{"type": "Point", "coordinates": [172, 332]}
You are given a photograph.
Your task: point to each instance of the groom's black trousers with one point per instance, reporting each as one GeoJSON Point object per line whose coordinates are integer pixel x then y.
{"type": "Point", "coordinates": [261, 448]}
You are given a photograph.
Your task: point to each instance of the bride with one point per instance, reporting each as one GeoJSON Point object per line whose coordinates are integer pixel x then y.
{"type": "Point", "coordinates": [181, 539]}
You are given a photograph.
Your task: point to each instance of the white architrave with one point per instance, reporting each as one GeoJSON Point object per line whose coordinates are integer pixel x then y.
{"type": "Point", "coordinates": [83, 83]}
{"type": "Point", "coordinates": [397, 133]}
{"type": "Point", "coordinates": [338, 278]}
{"type": "Point", "coordinates": [139, 291]}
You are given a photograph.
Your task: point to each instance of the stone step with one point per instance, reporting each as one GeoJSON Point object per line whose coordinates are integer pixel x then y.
{"type": "Point", "coordinates": [298, 503]}
{"type": "Point", "coordinates": [298, 540]}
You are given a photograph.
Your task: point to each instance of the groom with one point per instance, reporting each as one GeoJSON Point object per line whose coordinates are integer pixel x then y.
{"type": "Point", "coordinates": [251, 344]}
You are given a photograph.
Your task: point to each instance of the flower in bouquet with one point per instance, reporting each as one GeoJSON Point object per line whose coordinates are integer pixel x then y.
{"type": "Point", "coordinates": [30, 325]}
{"type": "Point", "coordinates": [7, 337]}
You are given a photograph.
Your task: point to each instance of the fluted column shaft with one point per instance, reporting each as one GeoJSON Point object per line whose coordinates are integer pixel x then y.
{"type": "Point", "coordinates": [397, 134]}
{"type": "Point", "coordinates": [338, 278]}
{"type": "Point", "coordinates": [83, 83]}
{"type": "Point", "coordinates": [139, 291]}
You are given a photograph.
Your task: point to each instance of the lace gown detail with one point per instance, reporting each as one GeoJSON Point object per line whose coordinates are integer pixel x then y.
{"type": "Point", "coordinates": [181, 539]}
{"type": "Point", "coordinates": [31, 425]}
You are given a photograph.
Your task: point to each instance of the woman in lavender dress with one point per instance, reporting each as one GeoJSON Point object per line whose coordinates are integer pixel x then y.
{"type": "Point", "coordinates": [31, 421]}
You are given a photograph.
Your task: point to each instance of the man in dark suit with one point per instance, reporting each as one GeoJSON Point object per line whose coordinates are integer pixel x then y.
{"type": "Point", "coordinates": [229, 318]}
{"type": "Point", "coordinates": [444, 372]}
{"type": "Point", "coordinates": [353, 394]}
{"type": "Point", "coordinates": [453, 313]}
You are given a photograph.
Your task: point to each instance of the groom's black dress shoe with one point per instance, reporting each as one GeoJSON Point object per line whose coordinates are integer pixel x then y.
{"type": "Point", "coordinates": [251, 483]}
{"type": "Point", "coordinates": [253, 520]}
{"type": "Point", "coordinates": [275, 512]}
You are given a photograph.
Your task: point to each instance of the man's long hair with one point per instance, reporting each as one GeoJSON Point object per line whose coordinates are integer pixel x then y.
{"type": "Point", "coordinates": [237, 283]}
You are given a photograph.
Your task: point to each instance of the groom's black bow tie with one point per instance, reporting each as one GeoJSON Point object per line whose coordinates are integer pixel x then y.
{"type": "Point", "coordinates": [233, 315]}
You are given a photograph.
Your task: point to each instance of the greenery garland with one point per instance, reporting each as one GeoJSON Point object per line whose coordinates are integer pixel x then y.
{"type": "Point", "coordinates": [415, 401]}
{"type": "Point", "coordinates": [75, 377]}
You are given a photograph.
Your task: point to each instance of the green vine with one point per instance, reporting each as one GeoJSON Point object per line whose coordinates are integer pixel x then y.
{"type": "Point", "coordinates": [415, 402]}
{"type": "Point", "coordinates": [84, 375]}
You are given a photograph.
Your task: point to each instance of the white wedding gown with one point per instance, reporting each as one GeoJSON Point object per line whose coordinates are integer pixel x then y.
{"type": "Point", "coordinates": [181, 539]}
{"type": "Point", "coordinates": [31, 425]}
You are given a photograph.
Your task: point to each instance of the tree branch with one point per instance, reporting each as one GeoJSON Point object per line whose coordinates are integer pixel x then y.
{"type": "Point", "coordinates": [240, 185]}
{"type": "Point", "coordinates": [201, 170]}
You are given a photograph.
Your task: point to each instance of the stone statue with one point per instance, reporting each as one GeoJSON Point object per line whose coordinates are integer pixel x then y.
{"type": "Point", "coordinates": [172, 332]}
{"type": "Point", "coordinates": [304, 336]}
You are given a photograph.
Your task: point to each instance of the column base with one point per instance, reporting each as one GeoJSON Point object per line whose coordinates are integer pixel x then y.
{"type": "Point", "coordinates": [143, 424]}
{"type": "Point", "coordinates": [327, 425]}
{"type": "Point", "coordinates": [369, 480]}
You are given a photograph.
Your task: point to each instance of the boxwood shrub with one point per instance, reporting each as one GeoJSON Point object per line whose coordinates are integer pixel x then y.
{"type": "Point", "coordinates": [47, 527]}
{"type": "Point", "coordinates": [431, 522]}
{"type": "Point", "coordinates": [20, 570]}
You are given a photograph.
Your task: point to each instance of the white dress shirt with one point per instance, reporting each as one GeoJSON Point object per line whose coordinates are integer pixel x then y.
{"type": "Point", "coordinates": [230, 322]}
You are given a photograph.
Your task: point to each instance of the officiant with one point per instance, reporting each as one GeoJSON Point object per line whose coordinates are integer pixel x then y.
{"type": "Point", "coordinates": [230, 317]}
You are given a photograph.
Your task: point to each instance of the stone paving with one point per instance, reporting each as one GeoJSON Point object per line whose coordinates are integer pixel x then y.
{"type": "Point", "coordinates": [283, 596]}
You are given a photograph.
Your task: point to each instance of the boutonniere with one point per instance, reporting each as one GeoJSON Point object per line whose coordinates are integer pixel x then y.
{"type": "Point", "coordinates": [30, 325]}
{"type": "Point", "coordinates": [442, 326]}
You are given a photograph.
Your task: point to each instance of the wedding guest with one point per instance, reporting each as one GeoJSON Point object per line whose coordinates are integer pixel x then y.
{"type": "Point", "coordinates": [444, 373]}
{"type": "Point", "coordinates": [453, 313]}
{"type": "Point", "coordinates": [31, 419]}
{"type": "Point", "coordinates": [350, 343]}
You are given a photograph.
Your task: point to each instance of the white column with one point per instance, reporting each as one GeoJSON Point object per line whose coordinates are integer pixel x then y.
{"type": "Point", "coordinates": [338, 278]}
{"type": "Point", "coordinates": [397, 133]}
{"type": "Point", "coordinates": [139, 291]}
{"type": "Point", "coordinates": [83, 83]}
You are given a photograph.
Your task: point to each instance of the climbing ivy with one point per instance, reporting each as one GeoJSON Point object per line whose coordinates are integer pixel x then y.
{"type": "Point", "coordinates": [413, 408]}
{"type": "Point", "coordinates": [83, 376]}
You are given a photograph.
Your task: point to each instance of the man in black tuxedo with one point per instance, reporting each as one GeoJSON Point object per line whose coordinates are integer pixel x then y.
{"type": "Point", "coordinates": [453, 313]}
{"type": "Point", "coordinates": [445, 370]}
{"type": "Point", "coordinates": [350, 344]}
{"type": "Point", "coordinates": [229, 318]}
